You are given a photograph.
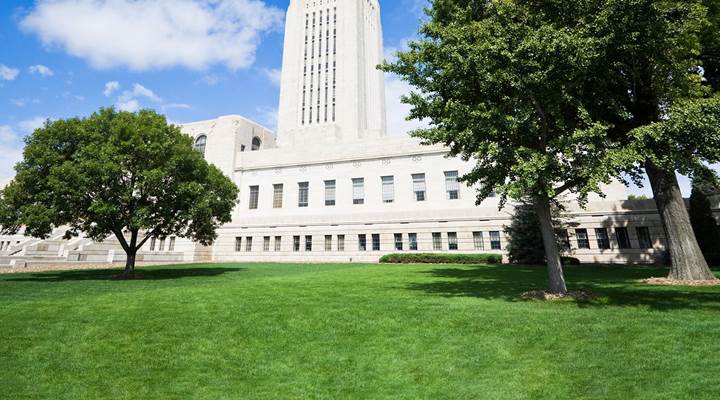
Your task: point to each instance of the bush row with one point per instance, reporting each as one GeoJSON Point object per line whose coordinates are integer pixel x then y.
{"type": "Point", "coordinates": [441, 258]}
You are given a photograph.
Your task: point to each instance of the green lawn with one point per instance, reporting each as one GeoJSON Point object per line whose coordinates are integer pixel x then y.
{"type": "Point", "coordinates": [272, 331]}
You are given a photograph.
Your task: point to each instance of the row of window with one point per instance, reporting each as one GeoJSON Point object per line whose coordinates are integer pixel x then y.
{"type": "Point", "coordinates": [5, 245]}
{"type": "Point", "coordinates": [337, 242]}
{"type": "Point", "coordinates": [452, 190]}
{"type": "Point", "coordinates": [310, 105]}
{"type": "Point", "coordinates": [603, 239]}
{"type": "Point", "coordinates": [160, 244]}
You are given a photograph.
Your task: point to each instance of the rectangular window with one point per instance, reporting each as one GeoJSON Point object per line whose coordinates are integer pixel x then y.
{"type": "Point", "coordinates": [330, 193]}
{"type": "Point", "coordinates": [341, 242]}
{"type": "Point", "coordinates": [296, 243]}
{"type": "Point", "coordinates": [248, 244]}
{"type": "Point", "coordinates": [478, 241]}
{"type": "Point", "coordinates": [238, 244]}
{"type": "Point", "coordinates": [152, 243]}
{"type": "Point", "coordinates": [303, 194]}
{"type": "Point", "coordinates": [376, 242]}
{"type": "Point", "coordinates": [308, 243]}
{"type": "Point", "coordinates": [362, 242]}
{"type": "Point", "coordinates": [583, 241]}
{"type": "Point", "coordinates": [398, 241]}
{"type": "Point", "coordinates": [623, 238]}
{"type": "Point", "coordinates": [388, 189]}
{"type": "Point", "coordinates": [412, 241]}
{"type": "Point", "coordinates": [452, 186]}
{"type": "Point", "coordinates": [437, 241]}
{"type": "Point", "coordinates": [644, 240]}
{"type": "Point", "coordinates": [171, 246]}
{"type": "Point", "coordinates": [278, 243]}
{"type": "Point", "coordinates": [419, 186]}
{"type": "Point", "coordinates": [254, 194]}
{"type": "Point", "coordinates": [266, 243]}
{"type": "Point", "coordinates": [495, 240]}
{"type": "Point", "coordinates": [358, 190]}
{"type": "Point", "coordinates": [328, 242]}
{"type": "Point", "coordinates": [278, 195]}
{"type": "Point", "coordinates": [162, 244]}
{"type": "Point", "coordinates": [603, 240]}
{"type": "Point", "coordinates": [452, 241]}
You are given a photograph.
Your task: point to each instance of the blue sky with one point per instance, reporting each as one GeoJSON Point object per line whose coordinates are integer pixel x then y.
{"type": "Point", "coordinates": [64, 58]}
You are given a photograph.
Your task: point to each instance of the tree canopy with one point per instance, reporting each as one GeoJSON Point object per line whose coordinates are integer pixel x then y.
{"type": "Point", "coordinates": [116, 173]}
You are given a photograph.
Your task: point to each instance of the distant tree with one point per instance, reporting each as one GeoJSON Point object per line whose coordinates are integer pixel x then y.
{"type": "Point", "coordinates": [637, 197]}
{"type": "Point", "coordinates": [704, 223]}
{"type": "Point", "coordinates": [525, 241]}
{"type": "Point", "coordinates": [116, 173]}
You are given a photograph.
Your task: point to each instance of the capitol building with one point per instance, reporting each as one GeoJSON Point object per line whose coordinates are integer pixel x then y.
{"type": "Point", "coordinates": [332, 185]}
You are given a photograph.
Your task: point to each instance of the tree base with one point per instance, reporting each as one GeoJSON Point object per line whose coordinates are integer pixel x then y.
{"type": "Point", "coordinates": [127, 277]}
{"type": "Point", "coordinates": [545, 295]}
{"type": "Point", "coordinates": [680, 282]}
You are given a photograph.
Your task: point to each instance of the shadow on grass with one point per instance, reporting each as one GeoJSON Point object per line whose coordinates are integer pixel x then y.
{"type": "Point", "coordinates": [614, 286]}
{"type": "Point", "coordinates": [107, 274]}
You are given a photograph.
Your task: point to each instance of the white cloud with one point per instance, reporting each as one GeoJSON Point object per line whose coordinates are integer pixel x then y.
{"type": "Point", "coordinates": [131, 105]}
{"type": "Point", "coordinates": [151, 34]}
{"type": "Point", "coordinates": [111, 87]}
{"type": "Point", "coordinates": [11, 146]}
{"type": "Point", "coordinates": [41, 70]}
{"type": "Point", "coordinates": [397, 112]}
{"type": "Point", "coordinates": [141, 91]}
{"type": "Point", "coordinates": [176, 105]}
{"type": "Point", "coordinates": [268, 116]}
{"type": "Point", "coordinates": [18, 102]}
{"type": "Point", "coordinates": [28, 126]}
{"type": "Point", "coordinates": [211, 79]}
{"type": "Point", "coordinates": [129, 100]}
{"type": "Point", "coordinates": [273, 74]}
{"type": "Point", "coordinates": [7, 73]}
{"type": "Point", "coordinates": [7, 134]}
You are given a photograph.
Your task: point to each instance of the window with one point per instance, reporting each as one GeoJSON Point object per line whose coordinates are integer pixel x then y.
{"type": "Point", "coordinates": [412, 241]}
{"type": "Point", "coordinates": [238, 244]}
{"type": "Point", "coordinates": [452, 241]}
{"type": "Point", "coordinates": [452, 186]}
{"type": "Point", "coordinates": [419, 186]}
{"type": "Point", "coordinates": [398, 242]}
{"type": "Point", "coordinates": [256, 143]}
{"type": "Point", "coordinates": [376, 242]}
{"type": "Point", "coordinates": [278, 195]}
{"type": "Point", "coordinates": [603, 240]}
{"type": "Point", "coordinates": [171, 246]}
{"type": "Point", "coordinates": [362, 242]}
{"type": "Point", "coordinates": [388, 189]}
{"type": "Point", "coordinates": [623, 238]}
{"type": "Point", "coordinates": [478, 241]}
{"type": "Point", "coordinates": [296, 243]}
{"type": "Point", "coordinates": [643, 234]}
{"type": "Point", "coordinates": [328, 242]}
{"type": "Point", "coordinates": [200, 144]}
{"type": "Point", "coordinates": [495, 240]}
{"type": "Point", "coordinates": [330, 193]}
{"type": "Point", "coordinates": [266, 243]}
{"type": "Point", "coordinates": [303, 192]}
{"type": "Point", "coordinates": [341, 242]}
{"type": "Point", "coordinates": [162, 244]}
{"type": "Point", "coordinates": [248, 244]}
{"type": "Point", "coordinates": [278, 243]}
{"type": "Point", "coordinates": [437, 241]}
{"type": "Point", "coordinates": [582, 238]}
{"type": "Point", "coordinates": [254, 194]}
{"type": "Point", "coordinates": [152, 243]}
{"type": "Point", "coordinates": [358, 190]}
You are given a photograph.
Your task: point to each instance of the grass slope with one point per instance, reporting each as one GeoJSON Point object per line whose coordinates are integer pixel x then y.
{"type": "Point", "coordinates": [272, 331]}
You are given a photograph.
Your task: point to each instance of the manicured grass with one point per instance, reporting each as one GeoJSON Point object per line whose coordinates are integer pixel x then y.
{"type": "Point", "coordinates": [271, 331]}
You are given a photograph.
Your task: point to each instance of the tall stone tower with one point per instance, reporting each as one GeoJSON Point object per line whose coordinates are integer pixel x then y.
{"type": "Point", "coordinates": [331, 90]}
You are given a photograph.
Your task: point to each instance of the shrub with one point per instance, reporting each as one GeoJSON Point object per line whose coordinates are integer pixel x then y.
{"type": "Point", "coordinates": [441, 258]}
{"type": "Point", "coordinates": [569, 261]}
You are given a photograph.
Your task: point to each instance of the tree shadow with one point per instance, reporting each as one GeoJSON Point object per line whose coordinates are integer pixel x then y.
{"type": "Point", "coordinates": [613, 286]}
{"type": "Point", "coordinates": [109, 274]}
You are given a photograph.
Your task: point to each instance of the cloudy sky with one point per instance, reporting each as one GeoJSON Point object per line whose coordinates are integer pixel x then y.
{"type": "Point", "coordinates": [190, 59]}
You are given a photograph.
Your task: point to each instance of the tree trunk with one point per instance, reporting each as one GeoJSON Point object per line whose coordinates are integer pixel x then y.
{"type": "Point", "coordinates": [552, 253]}
{"type": "Point", "coordinates": [130, 263]}
{"type": "Point", "coordinates": [688, 262]}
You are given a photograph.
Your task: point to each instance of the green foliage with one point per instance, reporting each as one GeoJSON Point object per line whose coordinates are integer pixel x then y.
{"type": "Point", "coordinates": [633, 197]}
{"type": "Point", "coordinates": [704, 223]}
{"type": "Point", "coordinates": [525, 241]}
{"type": "Point", "coordinates": [440, 258]}
{"type": "Point", "coordinates": [116, 173]}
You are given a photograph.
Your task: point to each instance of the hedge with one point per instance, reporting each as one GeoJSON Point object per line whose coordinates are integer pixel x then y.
{"type": "Point", "coordinates": [441, 258]}
{"type": "Point", "coordinates": [569, 261]}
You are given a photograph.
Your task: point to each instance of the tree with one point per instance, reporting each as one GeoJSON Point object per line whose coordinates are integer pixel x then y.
{"type": "Point", "coordinates": [703, 222]}
{"type": "Point", "coordinates": [116, 173]}
{"type": "Point", "coordinates": [525, 243]}
{"type": "Point", "coordinates": [496, 80]}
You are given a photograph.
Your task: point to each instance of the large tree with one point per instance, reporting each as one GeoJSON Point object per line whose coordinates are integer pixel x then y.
{"type": "Point", "coordinates": [496, 80]}
{"type": "Point", "coordinates": [703, 221]}
{"type": "Point", "coordinates": [130, 175]}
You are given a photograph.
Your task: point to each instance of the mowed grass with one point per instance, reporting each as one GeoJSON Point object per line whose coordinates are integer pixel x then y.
{"type": "Point", "coordinates": [281, 331]}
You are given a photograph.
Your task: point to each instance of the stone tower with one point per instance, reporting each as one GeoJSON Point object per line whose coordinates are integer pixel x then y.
{"type": "Point", "coordinates": [331, 90]}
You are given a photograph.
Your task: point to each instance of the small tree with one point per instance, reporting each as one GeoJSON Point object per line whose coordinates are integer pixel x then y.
{"type": "Point", "coordinates": [703, 222]}
{"type": "Point", "coordinates": [525, 241]}
{"type": "Point", "coordinates": [116, 173]}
